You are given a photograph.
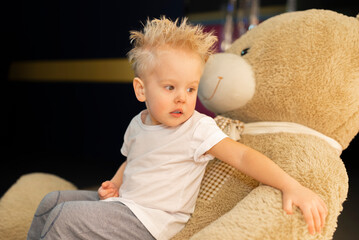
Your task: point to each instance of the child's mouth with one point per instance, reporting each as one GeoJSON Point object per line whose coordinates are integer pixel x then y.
{"type": "Point", "coordinates": [177, 113]}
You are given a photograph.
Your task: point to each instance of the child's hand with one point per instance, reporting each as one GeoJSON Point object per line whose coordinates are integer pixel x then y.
{"type": "Point", "coordinates": [108, 189]}
{"type": "Point", "coordinates": [313, 207]}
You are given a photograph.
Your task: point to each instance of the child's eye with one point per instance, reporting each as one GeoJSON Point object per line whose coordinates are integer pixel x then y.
{"type": "Point", "coordinates": [191, 89]}
{"type": "Point", "coordinates": [169, 88]}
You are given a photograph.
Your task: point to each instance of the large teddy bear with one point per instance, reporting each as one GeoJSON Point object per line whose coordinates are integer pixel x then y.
{"type": "Point", "coordinates": [294, 82]}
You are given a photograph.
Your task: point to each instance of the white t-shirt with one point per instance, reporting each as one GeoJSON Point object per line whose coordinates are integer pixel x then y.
{"type": "Point", "coordinates": [165, 166]}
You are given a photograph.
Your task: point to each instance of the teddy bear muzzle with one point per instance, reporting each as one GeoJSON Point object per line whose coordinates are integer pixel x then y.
{"type": "Point", "coordinates": [227, 83]}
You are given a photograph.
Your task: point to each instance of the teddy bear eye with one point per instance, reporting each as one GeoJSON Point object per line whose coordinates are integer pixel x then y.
{"type": "Point", "coordinates": [244, 51]}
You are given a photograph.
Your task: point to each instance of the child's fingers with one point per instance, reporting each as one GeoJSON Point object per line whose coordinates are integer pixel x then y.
{"type": "Point", "coordinates": [104, 191]}
{"type": "Point", "coordinates": [117, 194]}
{"type": "Point", "coordinates": [323, 214]}
{"type": "Point", "coordinates": [317, 220]}
{"type": "Point", "coordinates": [101, 192]}
{"type": "Point", "coordinates": [106, 194]}
{"type": "Point", "coordinates": [288, 206]}
{"type": "Point", "coordinates": [308, 217]}
{"type": "Point", "coordinates": [109, 194]}
{"type": "Point", "coordinates": [104, 184]}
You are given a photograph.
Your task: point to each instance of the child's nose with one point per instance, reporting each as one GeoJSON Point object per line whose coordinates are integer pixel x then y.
{"type": "Point", "coordinates": [181, 96]}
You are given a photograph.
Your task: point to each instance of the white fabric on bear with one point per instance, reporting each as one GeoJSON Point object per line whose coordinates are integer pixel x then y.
{"type": "Point", "coordinates": [287, 127]}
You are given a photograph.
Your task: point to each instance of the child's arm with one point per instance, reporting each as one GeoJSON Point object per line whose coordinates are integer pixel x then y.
{"type": "Point", "coordinates": [111, 188]}
{"type": "Point", "coordinates": [261, 168]}
{"type": "Point", "coordinates": [118, 177]}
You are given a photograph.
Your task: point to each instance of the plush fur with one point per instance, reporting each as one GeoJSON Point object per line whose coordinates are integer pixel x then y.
{"type": "Point", "coordinates": [19, 203]}
{"type": "Point", "coordinates": [306, 70]}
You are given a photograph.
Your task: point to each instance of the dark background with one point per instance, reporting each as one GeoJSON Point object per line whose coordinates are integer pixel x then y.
{"type": "Point", "coordinates": [72, 129]}
{"type": "Point", "coordinates": [75, 129]}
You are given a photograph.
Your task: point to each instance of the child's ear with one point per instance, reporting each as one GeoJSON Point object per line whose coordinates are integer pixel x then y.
{"type": "Point", "coordinates": [139, 88]}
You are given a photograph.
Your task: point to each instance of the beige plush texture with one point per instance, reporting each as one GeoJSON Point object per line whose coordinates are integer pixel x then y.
{"type": "Point", "coordinates": [19, 203]}
{"type": "Point", "coordinates": [306, 67]}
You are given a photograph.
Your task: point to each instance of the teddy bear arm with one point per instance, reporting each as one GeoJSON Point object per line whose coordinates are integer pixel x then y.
{"type": "Point", "coordinates": [258, 216]}
{"type": "Point", "coordinates": [312, 162]}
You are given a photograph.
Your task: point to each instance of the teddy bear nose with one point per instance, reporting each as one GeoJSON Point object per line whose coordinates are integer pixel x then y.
{"type": "Point", "coordinates": [227, 83]}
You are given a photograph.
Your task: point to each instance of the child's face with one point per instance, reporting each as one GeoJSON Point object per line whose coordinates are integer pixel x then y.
{"type": "Point", "coordinates": [170, 88]}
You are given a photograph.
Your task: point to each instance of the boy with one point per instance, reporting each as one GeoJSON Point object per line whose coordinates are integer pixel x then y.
{"type": "Point", "coordinates": [167, 146]}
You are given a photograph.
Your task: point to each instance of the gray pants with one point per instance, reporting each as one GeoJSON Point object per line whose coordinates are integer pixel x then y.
{"type": "Point", "coordinates": [80, 215]}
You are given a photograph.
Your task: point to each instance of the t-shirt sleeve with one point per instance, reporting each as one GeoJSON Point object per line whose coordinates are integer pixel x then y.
{"type": "Point", "coordinates": [206, 135]}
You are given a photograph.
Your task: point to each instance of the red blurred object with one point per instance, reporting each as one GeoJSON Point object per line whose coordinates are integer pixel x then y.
{"type": "Point", "coordinates": [200, 108]}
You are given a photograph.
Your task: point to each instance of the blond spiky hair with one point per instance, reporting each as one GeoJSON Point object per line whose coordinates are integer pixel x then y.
{"type": "Point", "coordinates": [164, 32]}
